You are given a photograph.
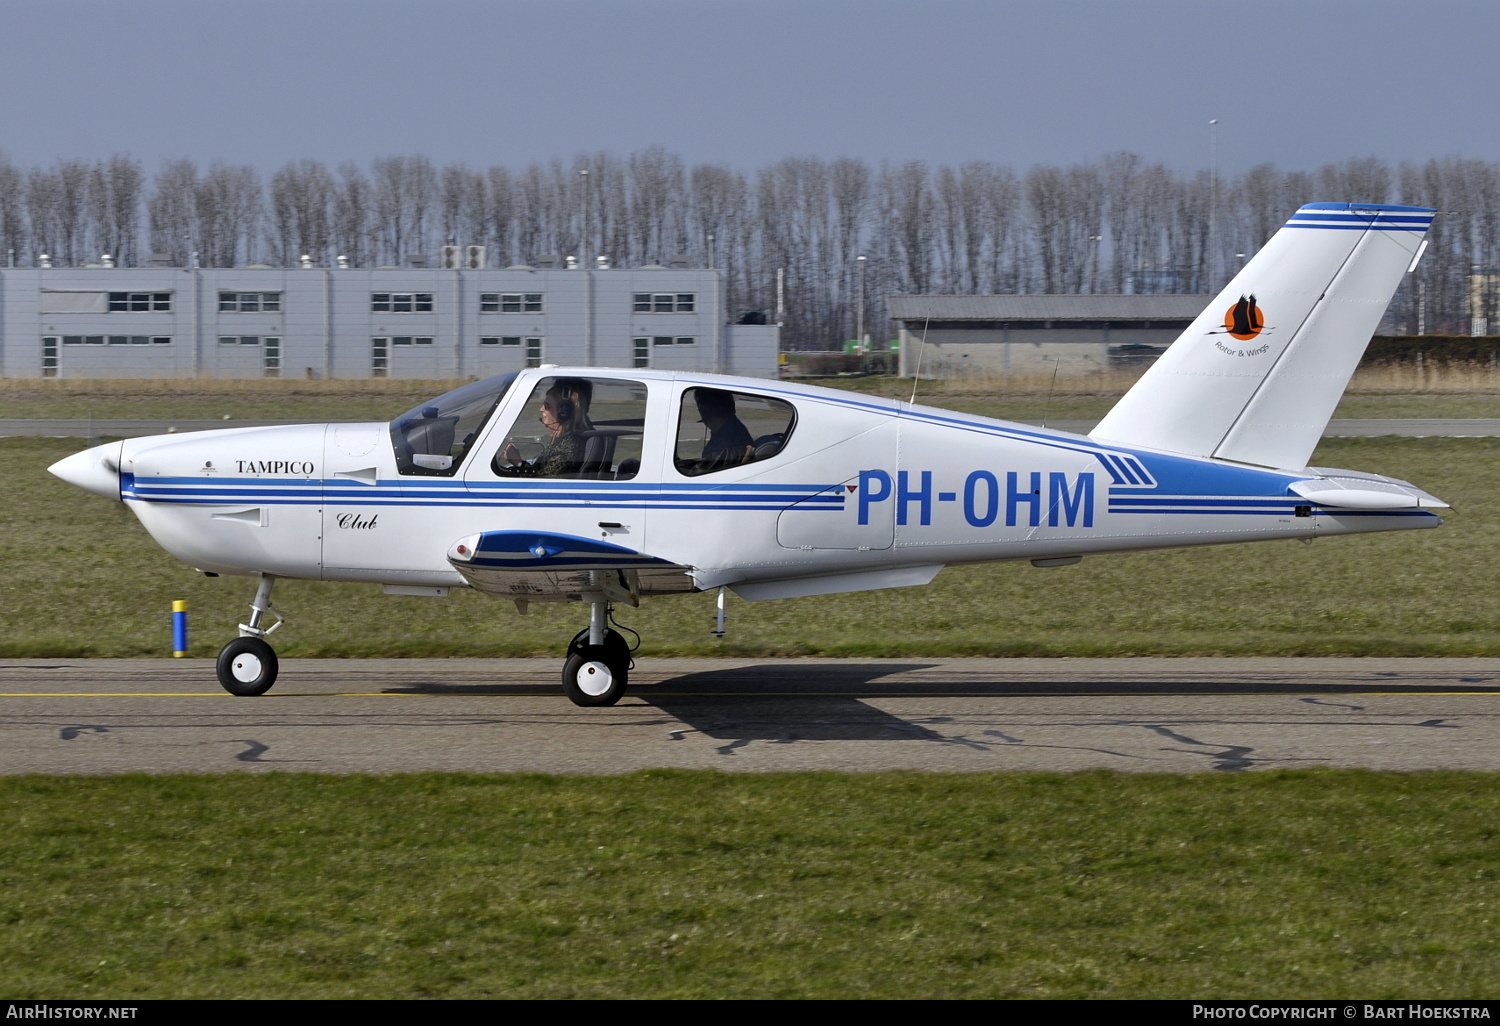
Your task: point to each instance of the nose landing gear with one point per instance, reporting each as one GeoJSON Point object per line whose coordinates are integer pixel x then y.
{"type": "Point", "coordinates": [247, 665]}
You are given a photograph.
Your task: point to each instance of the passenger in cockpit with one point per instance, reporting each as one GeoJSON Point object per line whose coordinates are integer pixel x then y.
{"type": "Point", "coordinates": [729, 442]}
{"type": "Point", "coordinates": [565, 412]}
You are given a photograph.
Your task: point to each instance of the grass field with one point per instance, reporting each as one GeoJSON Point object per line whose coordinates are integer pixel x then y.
{"type": "Point", "coordinates": [674, 884]}
{"type": "Point", "coordinates": [79, 576]}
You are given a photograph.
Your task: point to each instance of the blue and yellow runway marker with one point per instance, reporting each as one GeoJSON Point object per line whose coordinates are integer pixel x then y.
{"type": "Point", "coordinates": [179, 628]}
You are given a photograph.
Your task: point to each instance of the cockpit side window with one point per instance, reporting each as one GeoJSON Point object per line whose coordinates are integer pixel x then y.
{"type": "Point", "coordinates": [718, 429]}
{"type": "Point", "coordinates": [576, 427]}
{"type": "Point", "coordinates": [432, 439]}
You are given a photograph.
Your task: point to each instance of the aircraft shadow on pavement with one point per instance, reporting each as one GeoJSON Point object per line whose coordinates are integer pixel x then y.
{"type": "Point", "coordinates": [786, 703]}
{"type": "Point", "coordinates": [874, 680]}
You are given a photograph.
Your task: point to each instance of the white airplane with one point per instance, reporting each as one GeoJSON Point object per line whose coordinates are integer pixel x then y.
{"type": "Point", "coordinates": [606, 486]}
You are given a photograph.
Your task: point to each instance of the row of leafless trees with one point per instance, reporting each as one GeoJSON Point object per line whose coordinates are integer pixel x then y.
{"type": "Point", "coordinates": [1117, 225]}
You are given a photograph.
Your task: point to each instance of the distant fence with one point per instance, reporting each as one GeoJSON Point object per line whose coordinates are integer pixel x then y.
{"type": "Point", "coordinates": [1389, 351]}
{"type": "Point", "coordinates": [1393, 350]}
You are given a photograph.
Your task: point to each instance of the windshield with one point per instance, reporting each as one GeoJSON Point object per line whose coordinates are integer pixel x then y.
{"type": "Point", "coordinates": [433, 438]}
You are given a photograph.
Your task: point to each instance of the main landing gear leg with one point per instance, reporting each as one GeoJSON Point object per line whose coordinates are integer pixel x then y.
{"type": "Point", "coordinates": [247, 665]}
{"type": "Point", "coordinates": [598, 661]}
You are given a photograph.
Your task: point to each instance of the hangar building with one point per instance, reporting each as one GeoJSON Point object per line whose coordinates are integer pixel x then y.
{"type": "Point", "coordinates": [417, 322]}
{"type": "Point", "coordinates": [1034, 334]}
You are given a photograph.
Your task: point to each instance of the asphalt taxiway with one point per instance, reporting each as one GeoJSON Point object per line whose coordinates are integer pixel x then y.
{"type": "Point", "coordinates": [62, 716]}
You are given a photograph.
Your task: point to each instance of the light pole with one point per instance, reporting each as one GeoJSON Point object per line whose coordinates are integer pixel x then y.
{"type": "Point", "coordinates": [1213, 202]}
{"type": "Point", "coordinates": [584, 255]}
{"type": "Point", "coordinates": [859, 305]}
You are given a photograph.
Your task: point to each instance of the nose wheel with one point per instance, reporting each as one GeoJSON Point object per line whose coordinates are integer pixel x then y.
{"type": "Point", "coordinates": [247, 666]}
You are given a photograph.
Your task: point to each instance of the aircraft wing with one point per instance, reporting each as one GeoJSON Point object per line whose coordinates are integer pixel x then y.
{"type": "Point", "coordinates": [539, 567]}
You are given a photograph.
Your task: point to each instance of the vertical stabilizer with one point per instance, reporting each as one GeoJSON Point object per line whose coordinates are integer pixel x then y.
{"type": "Point", "coordinates": [1257, 376]}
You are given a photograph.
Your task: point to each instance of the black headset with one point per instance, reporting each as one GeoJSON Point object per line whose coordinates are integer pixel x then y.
{"type": "Point", "coordinates": [564, 410]}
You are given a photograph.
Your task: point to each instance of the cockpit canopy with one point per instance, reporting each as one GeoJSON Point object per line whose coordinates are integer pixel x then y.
{"type": "Point", "coordinates": [434, 437]}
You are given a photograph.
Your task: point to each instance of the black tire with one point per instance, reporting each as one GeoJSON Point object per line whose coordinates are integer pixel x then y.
{"type": "Point", "coordinates": [613, 640]}
{"type": "Point", "coordinates": [595, 675]}
{"type": "Point", "coordinates": [247, 666]}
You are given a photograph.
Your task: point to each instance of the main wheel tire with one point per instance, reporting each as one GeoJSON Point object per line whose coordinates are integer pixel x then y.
{"type": "Point", "coordinates": [247, 666]}
{"type": "Point", "coordinates": [617, 645]}
{"type": "Point", "coordinates": [595, 675]}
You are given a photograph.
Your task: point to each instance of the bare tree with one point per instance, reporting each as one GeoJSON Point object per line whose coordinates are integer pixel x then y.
{"type": "Point", "coordinates": [907, 203]}
{"type": "Point", "coordinates": [42, 189]}
{"type": "Point", "coordinates": [1360, 180]}
{"type": "Point", "coordinates": [302, 196]}
{"type": "Point", "coordinates": [405, 197]}
{"type": "Point", "coordinates": [464, 199]}
{"type": "Point", "coordinates": [70, 212]}
{"type": "Point", "coordinates": [12, 212]}
{"type": "Point", "coordinates": [114, 202]}
{"type": "Point", "coordinates": [353, 229]}
{"type": "Point", "coordinates": [500, 191]}
{"type": "Point", "coordinates": [227, 202]}
{"type": "Point", "coordinates": [656, 182]}
{"type": "Point", "coordinates": [172, 211]}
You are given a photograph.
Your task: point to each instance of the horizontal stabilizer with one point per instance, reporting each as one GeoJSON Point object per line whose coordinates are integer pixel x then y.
{"type": "Point", "coordinates": [1347, 489]}
{"type": "Point", "coordinates": [1257, 375]}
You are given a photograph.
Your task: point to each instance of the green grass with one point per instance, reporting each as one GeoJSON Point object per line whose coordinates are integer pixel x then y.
{"type": "Point", "coordinates": [1297, 884]}
{"type": "Point", "coordinates": [80, 577]}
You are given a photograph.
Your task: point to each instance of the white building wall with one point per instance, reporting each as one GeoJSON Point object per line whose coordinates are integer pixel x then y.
{"type": "Point", "coordinates": [326, 323]}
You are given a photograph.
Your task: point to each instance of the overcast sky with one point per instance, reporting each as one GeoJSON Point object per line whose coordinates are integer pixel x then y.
{"type": "Point", "coordinates": [746, 82]}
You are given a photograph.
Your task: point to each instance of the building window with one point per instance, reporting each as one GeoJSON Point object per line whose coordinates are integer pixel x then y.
{"type": "Point", "coordinates": [120, 302]}
{"type": "Point", "coordinates": [379, 357]}
{"type": "Point", "coordinates": [401, 302]}
{"type": "Point", "coordinates": [642, 352]}
{"type": "Point", "coordinates": [249, 302]}
{"type": "Point", "coordinates": [664, 302]}
{"type": "Point", "coordinates": [686, 340]}
{"type": "Point", "coordinates": [271, 358]}
{"type": "Point", "coordinates": [533, 352]}
{"type": "Point", "coordinates": [116, 340]}
{"type": "Point", "coordinates": [239, 340]}
{"type": "Point", "coordinates": [661, 340]}
{"type": "Point", "coordinates": [500, 340]}
{"type": "Point", "coordinates": [49, 356]}
{"type": "Point", "coordinates": [411, 340]}
{"type": "Point", "coordinates": [510, 302]}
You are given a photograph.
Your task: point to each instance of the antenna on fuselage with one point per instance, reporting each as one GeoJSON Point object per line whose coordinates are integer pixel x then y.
{"type": "Point", "coordinates": [1046, 406]}
{"type": "Point", "coordinates": [920, 350]}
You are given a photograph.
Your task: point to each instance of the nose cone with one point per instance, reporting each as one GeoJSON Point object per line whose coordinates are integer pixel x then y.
{"type": "Point", "coordinates": [94, 470]}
